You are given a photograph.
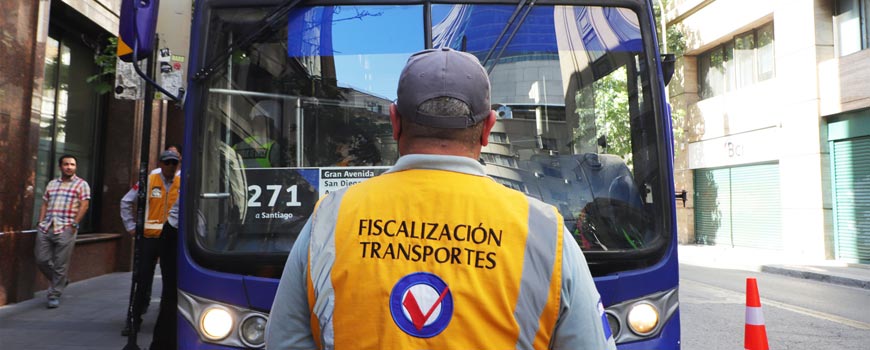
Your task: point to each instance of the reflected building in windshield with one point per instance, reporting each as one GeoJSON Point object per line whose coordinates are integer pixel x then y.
{"type": "Point", "coordinates": [549, 76]}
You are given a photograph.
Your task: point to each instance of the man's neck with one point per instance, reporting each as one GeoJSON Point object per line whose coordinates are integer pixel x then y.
{"type": "Point", "coordinates": [437, 147]}
{"type": "Point", "coordinates": [168, 177]}
{"type": "Point", "coordinates": [66, 178]}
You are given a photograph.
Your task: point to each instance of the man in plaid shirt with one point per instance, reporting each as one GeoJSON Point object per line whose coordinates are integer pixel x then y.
{"type": "Point", "coordinates": [64, 205]}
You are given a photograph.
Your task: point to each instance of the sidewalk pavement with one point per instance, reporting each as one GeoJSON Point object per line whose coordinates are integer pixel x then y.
{"type": "Point", "coordinates": [853, 275]}
{"type": "Point", "coordinates": [90, 317]}
{"type": "Point", "coordinates": [92, 311]}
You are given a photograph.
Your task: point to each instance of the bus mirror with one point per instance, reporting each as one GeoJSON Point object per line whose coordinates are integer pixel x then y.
{"type": "Point", "coordinates": [668, 61]}
{"type": "Point", "coordinates": [138, 24]}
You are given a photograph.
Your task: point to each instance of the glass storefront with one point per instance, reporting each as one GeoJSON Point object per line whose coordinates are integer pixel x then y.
{"type": "Point", "coordinates": [70, 114]}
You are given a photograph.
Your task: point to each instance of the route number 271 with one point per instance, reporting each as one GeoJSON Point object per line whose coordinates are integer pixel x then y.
{"type": "Point", "coordinates": [276, 190]}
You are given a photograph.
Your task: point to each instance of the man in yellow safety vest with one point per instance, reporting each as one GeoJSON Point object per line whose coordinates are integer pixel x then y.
{"type": "Point", "coordinates": [259, 148]}
{"type": "Point", "coordinates": [433, 254]}
{"type": "Point", "coordinates": [162, 192]}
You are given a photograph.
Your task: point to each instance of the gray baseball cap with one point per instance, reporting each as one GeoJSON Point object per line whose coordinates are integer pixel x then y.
{"type": "Point", "coordinates": [443, 72]}
{"type": "Point", "coordinates": [169, 155]}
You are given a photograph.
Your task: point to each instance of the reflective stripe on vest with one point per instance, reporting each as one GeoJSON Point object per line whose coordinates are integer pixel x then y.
{"type": "Point", "coordinates": [322, 246]}
{"type": "Point", "coordinates": [255, 151]}
{"type": "Point", "coordinates": [390, 270]}
{"type": "Point", "coordinates": [537, 271]}
{"type": "Point", "coordinates": [159, 202]}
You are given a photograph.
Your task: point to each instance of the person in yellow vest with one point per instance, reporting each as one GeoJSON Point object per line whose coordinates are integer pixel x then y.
{"type": "Point", "coordinates": [162, 191]}
{"type": "Point", "coordinates": [259, 148]}
{"type": "Point", "coordinates": [147, 287]}
{"type": "Point", "coordinates": [433, 254]}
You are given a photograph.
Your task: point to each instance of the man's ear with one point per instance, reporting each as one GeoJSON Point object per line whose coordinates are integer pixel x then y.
{"type": "Point", "coordinates": [488, 123]}
{"type": "Point", "coordinates": [396, 121]}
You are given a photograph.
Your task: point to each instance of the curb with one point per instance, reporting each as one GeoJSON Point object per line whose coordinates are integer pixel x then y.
{"type": "Point", "coordinates": [840, 280]}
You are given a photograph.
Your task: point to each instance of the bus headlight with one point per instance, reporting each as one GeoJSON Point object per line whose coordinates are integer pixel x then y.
{"type": "Point", "coordinates": [643, 318]}
{"type": "Point", "coordinates": [223, 324]}
{"type": "Point", "coordinates": [253, 331]}
{"type": "Point", "coordinates": [216, 323]}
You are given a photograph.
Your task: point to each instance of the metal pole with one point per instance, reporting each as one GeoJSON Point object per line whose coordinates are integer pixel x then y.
{"type": "Point", "coordinates": [133, 310]}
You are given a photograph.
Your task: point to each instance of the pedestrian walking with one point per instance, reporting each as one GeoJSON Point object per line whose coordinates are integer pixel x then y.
{"type": "Point", "coordinates": [433, 254]}
{"type": "Point", "coordinates": [64, 205]}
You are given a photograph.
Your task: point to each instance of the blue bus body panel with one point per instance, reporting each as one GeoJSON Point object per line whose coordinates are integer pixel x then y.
{"type": "Point", "coordinates": [209, 284]}
{"type": "Point", "coordinates": [261, 292]}
{"type": "Point", "coordinates": [635, 284]}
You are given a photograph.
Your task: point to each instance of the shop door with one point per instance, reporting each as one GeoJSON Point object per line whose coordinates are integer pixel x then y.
{"type": "Point", "coordinates": [713, 206]}
{"type": "Point", "coordinates": [738, 206]}
{"type": "Point", "coordinates": [851, 169]}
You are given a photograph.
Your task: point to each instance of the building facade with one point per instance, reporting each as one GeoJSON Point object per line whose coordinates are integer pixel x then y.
{"type": "Point", "coordinates": [773, 100]}
{"type": "Point", "coordinates": [49, 109]}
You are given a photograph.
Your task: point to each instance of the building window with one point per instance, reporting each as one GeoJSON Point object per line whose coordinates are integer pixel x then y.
{"type": "Point", "coordinates": [850, 25]}
{"type": "Point", "coordinates": [498, 137]}
{"type": "Point", "coordinates": [741, 62]}
{"type": "Point", "coordinates": [513, 184]}
{"type": "Point", "coordinates": [499, 159]}
{"type": "Point", "coordinates": [765, 52]}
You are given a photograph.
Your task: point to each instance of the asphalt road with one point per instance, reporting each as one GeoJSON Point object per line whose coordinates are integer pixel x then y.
{"type": "Point", "coordinates": [798, 313]}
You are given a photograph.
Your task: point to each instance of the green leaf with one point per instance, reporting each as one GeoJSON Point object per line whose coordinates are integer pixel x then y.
{"type": "Point", "coordinates": [103, 81]}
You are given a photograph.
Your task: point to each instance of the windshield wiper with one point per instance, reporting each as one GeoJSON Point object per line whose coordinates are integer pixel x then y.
{"type": "Point", "coordinates": [264, 29]}
{"type": "Point", "coordinates": [510, 38]}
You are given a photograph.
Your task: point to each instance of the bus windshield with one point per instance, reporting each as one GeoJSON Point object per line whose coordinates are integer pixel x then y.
{"type": "Point", "coordinates": [304, 110]}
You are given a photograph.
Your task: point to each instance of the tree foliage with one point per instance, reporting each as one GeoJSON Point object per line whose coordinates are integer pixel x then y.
{"type": "Point", "coordinates": [609, 104]}
{"type": "Point", "coordinates": [611, 113]}
{"type": "Point", "coordinates": [105, 60]}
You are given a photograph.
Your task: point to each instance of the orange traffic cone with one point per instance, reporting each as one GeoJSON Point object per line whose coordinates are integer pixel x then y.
{"type": "Point", "coordinates": [755, 335]}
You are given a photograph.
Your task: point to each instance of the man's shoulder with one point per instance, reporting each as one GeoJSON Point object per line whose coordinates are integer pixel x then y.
{"type": "Point", "coordinates": [80, 182]}
{"type": "Point", "coordinates": [155, 177]}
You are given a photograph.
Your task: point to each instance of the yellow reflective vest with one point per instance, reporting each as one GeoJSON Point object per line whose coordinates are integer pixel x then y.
{"type": "Point", "coordinates": [256, 152]}
{"type": "Point", "coordinates": [159, 202]}
{"type": "Point", "coordinates": [393, 270]}
{"type": "Point", "coordinates": [434, 254]}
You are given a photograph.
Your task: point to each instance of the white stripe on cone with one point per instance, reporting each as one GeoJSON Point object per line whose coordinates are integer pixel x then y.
{"type": "Point", "coordinates": [754, 317]}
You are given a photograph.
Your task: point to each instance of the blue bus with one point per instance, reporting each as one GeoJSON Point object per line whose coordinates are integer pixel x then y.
{"type": "Point", "coordinates": [289, 100]}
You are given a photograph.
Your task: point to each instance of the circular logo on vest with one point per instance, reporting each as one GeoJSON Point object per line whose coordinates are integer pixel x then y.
{"type": "Point", "coordinates": [421, 304]}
